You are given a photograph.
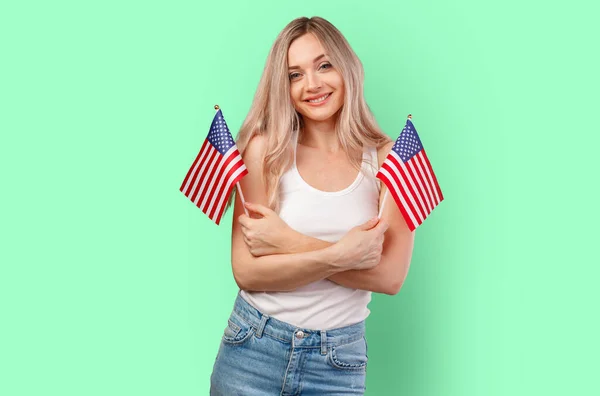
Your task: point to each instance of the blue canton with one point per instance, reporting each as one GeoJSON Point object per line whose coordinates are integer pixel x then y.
{"type": "Point", "coordinates": [408, 143]}
{"type": "Point", "coordinates": [219, 135]}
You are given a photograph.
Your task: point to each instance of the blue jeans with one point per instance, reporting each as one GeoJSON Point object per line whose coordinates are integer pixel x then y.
{"type": "Point", "coordinates": [260, 355]}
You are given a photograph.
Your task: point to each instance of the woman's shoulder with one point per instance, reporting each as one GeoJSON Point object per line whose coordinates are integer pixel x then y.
{"type": "Point", "coordinates": [255, 148]}
{"type": "Point", "coordinates": [384, 150]}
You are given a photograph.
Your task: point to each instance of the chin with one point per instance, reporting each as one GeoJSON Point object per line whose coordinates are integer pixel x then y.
{"type": "Point", "coordinates": [319, 115]}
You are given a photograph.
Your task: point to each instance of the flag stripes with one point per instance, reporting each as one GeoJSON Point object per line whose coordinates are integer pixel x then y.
{"type": "Point", "coordinates": [411, 182]}
{"type": "Point", "coordinates": [216, 169]}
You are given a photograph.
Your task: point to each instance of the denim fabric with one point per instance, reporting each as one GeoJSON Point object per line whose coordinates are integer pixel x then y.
{"type": "Point", "coordinates": [260, 355]}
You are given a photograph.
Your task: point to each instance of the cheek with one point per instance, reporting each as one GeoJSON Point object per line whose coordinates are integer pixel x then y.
{"type": "Point", "coordinates": [341, 86]}
{"type": "Point", "coordinates": [337, 80]}
{"type": "Point", "coordinates": [295, 95]}
{"type": "Point", "coordinates": [338, 83]}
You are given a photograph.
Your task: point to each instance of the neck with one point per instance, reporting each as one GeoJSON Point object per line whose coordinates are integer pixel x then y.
{"type": "Point", "coordinates": [320, 135]}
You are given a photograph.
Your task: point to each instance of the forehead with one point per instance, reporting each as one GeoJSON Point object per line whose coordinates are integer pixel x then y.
{"type": "Point", "coordinates": [304, 49]}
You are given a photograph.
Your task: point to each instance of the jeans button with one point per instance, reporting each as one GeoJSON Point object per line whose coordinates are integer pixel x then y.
{"type": "Point", "coordinates": [299, 334]}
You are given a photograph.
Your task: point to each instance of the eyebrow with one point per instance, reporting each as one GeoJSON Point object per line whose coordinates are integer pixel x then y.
{"type": "Point", "coordinates": [314, 60]}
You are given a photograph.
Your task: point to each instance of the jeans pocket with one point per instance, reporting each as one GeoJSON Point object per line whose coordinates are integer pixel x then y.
{"type": "Point", "coordinates": [237, 331]}
{"type": "Point", "coordinates": [350, 356]}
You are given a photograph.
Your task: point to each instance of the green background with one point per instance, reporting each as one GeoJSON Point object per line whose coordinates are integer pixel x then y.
{"type": "Point", "coordinates": [113, 283]}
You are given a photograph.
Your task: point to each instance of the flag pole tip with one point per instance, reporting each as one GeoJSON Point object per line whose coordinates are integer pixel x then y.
{"type": "Point", "coordinates": [216, 107]}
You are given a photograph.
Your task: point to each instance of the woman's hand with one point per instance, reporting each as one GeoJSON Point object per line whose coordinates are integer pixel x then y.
{"type": "Point", "coordinates": [265, 235]}
{"type": "Point", "coordinates": [361, 247]}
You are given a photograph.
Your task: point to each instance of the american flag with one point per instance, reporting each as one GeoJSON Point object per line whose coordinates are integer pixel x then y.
{"type": "Point", "coordinates": [217, 168]}
{"type": "Point", "coordinates": [409, 178]}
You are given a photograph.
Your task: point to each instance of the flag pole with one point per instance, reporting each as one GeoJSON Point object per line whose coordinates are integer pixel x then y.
{"type": "Point", "coordinates": [239, 187]}
{"type": "Point", "coordinates": [383, 203]}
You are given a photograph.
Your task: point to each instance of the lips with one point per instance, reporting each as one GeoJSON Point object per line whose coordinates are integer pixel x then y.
{"type": "Point", "coordinates": [318, 99]}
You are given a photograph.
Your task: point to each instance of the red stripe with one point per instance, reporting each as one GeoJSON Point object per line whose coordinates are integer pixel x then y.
{"type": "Point", "coordinates": [226, 178]}
{"type": "Point", "coordinates": [187, 176]}
{"type": "Point", "coordinates": [392, 191]}
{"type": "Point", "coordinates": [210, 175]}
{"type": "Point", "coordinates": [219, 176]}
{"type": "Point", "coordinates": [415, 178]}
{"type": "Point", "coordinates": [206, 164]}
{"type": "Point", "coordinates": [199, 173]}
{"type": "Point", "coordinates": [237, 179]}
{"type": "Point", "coordinates": [430, 191]}
{"type": "Point", "coordinates": [437, 186]}
{"type": "Point", "coordinates": [233, 157]}
{"type": "Point", "coordinates": [407, 179]}
{"type": "Point", "coordinates": [430, 180]}
{"type": "Point", "coordinates": [401, 191]}
{"type": "Point", "coordinates": [423, 190]}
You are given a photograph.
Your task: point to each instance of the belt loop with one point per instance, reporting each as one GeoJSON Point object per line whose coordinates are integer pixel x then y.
{"type": "Point", "coordinates": [261, 325]}
{"type": "Point", "coordinates": [323, 342]}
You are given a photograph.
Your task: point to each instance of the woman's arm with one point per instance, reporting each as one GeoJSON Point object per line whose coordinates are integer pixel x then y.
{"type": "Point", "coordinates": [360, 248]}
{"type": "Point", "coordinates": [278, 272]}
{"type": "Point", "coordinates": [387, 277]}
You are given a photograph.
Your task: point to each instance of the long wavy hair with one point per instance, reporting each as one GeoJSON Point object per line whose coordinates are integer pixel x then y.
{"type": "Point", "coordinates": [273, 115]}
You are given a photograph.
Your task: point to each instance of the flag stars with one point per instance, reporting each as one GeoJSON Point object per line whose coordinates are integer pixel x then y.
{"type": "Point", "coordinates": [220, 137]}
{"type": "Point", "coordinates": [407, 144]}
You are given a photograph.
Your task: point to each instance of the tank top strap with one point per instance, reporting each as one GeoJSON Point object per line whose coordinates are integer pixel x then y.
{"type": "Point", "coordinates": [373, 162]}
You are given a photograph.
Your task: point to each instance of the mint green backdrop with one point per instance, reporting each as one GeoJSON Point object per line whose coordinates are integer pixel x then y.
{"type": "Point", "coordinates": [113, 283]}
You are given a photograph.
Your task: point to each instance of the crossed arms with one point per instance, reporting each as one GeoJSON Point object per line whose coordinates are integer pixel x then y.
{"type": "Point", "coordinates": [268, 255]}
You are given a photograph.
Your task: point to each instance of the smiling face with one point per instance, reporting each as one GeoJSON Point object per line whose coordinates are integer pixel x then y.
{"type": "Point", "coordinates": [316, 87]}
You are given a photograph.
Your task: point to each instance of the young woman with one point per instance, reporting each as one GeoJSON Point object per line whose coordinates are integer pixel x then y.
{"type": "Point", "coordinates": [312, 250]}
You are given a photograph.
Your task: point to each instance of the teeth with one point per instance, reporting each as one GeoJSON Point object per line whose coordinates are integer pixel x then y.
{"type": "Point", "coordinates": [322, 98]}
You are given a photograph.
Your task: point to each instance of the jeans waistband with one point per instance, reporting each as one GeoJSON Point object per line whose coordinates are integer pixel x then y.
{"type": "Point", "coordinates": [298, 336]}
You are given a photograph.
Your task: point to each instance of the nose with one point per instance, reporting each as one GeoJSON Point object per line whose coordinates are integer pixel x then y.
{"type": "Point", "coordinates": [313, 81]}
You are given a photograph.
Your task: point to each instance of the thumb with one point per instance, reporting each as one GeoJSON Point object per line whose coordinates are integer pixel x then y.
{"type": "Point", "coordinates": [258, 208]}
{"type": "Point", "coordinates": [369, 224]}
{"type": "Point", "coordinates": [381, 227]}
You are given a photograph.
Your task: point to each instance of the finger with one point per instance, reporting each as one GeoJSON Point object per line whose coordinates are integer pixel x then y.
{"type": "Point", "coordinates": [381, 227]}
{"type": "Point", "coordinates": [369, 224]}
{"type": "Point", "coordinates": [246, 221]}
{"type": "Point", "coordinates": [258, 208]}
{"type": "Point", "coordinates": [243, 220]}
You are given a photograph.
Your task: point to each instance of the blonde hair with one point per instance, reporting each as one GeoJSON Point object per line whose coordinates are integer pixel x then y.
{"type": "Point", "coordinates": [273, 115]}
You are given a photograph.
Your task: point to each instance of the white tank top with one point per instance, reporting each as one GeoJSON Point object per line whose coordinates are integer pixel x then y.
{"type": "Point", "coordinates": [323, 305]}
